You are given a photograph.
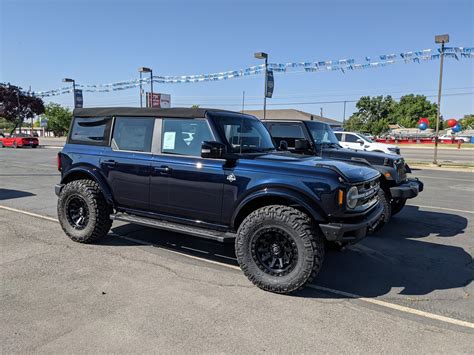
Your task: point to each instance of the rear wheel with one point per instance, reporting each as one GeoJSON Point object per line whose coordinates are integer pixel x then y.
{"type": "Point", "coordinates": [83, 212]}
{"type": "Point", "coordinates": [397, 205]}
{"type": "Point", "coordinates": [279, 249]}
{"type": "Point", "coordinates": [34, 146]}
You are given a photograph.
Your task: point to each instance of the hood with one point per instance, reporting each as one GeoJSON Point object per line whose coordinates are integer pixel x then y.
{"type": "Point", "coordinates": [349, 172]}
{"type": "Point", "coordinates": [374, 158]}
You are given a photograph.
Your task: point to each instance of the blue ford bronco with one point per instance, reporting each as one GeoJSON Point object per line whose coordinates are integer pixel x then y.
{"type": "Point", "coordinates": [318, 138]}
{"type": "Point", "coordinates": [213, 174]}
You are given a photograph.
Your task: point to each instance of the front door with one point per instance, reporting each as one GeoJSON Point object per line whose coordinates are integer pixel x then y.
{"type": "Point", "coordinates": [183, 184]}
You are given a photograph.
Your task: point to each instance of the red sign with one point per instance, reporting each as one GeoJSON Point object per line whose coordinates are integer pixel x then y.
{"type": "Point", "coordinates": [158, 100]}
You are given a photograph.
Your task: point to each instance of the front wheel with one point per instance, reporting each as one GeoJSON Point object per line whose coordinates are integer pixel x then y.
{"type": "Point", "coordinates": [83, 212]}
{"type": "Point", "coordinates": [279, 248]}
{"type": "Point", "coordinates": [387, 210]}
{"type": "Point", "coordinates": [397, 205]}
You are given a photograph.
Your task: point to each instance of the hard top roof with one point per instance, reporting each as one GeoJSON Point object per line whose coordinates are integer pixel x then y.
{"type": "Point", "coordinates": [178, 112]}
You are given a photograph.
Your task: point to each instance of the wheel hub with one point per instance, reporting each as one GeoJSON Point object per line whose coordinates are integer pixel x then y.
{"type": "Point", "coordinates": [77, 212]}
{"type": "Point", "coordinates": [274, 251]}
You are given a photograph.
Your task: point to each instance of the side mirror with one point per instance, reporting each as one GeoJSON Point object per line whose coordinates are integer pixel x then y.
{"type": "Point", "coordinates": [301, 144]}
{"type": "Point", "coordinates": [283, 145]}
{"type": "Point", "coordinates": [213, 150]}
{"type": "Point", "coordinates": [360, 141]}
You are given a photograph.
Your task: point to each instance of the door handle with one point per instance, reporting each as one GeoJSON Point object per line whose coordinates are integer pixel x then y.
{"type": "Point", "coordinates": [163, 170]}
{"type": "Point", "coordinates": [109, 163]}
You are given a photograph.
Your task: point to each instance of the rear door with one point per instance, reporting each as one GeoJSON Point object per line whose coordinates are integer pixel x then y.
{"type": "Point", "coordinates": [183, 184]}
{"type": "Point", "coordinates": [127, 164]}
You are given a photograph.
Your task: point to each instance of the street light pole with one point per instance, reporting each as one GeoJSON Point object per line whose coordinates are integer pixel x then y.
{"type": "Point", "coordinates": [439, 39]}
{"type": "Point", "coordinates": [262, 55]}
{"type": "Point", "coordinates": [145, 70]}
{"type": "Point", "coordinates": [141, 91]}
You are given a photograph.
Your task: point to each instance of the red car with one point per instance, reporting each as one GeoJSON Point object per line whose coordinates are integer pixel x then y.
{"type": "Point", "coordinates": [18, 140]}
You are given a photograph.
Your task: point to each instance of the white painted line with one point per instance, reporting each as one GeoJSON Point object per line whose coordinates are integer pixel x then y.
{"type": "Point", "coordinates": [393, 306]}
{"type": "Point", "coordinates": [443, 208]}
{"type": "Point", "coordinates": [29, 213]}
{"type": "Point", "coordinates": [396, 307]}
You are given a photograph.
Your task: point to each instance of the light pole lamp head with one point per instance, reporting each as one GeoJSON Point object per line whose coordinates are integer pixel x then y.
{"type": "Point", "coordinates": [261, 55]}
{"type": "Point", "coordinates": [144, 70]}
{"type": "Point", "coordinates": [68, 80]}
{"type": "Point", "coordinates": [442, 39]}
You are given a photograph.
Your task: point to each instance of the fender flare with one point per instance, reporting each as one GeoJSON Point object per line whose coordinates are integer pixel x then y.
{"type": "Point", "coordinates": [286, 193]}
{"type": "Point", "coordinates": [94, 175]}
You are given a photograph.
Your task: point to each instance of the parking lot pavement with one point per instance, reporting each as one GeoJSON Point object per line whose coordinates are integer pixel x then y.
{"type": "Point", "coordinates": [142, 289]}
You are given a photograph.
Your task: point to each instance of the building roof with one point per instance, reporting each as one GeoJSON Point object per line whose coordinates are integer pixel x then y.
{"type": "Point", "coordinates": [177, 112]}
{"type": "Point", "coordinates": [291, 114]}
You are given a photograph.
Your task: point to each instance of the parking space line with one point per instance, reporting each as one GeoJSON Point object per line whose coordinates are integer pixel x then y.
{"type": "Point", "coordinates": [397, 307]}
{"type": "Point", "coordinates": [443, 208]}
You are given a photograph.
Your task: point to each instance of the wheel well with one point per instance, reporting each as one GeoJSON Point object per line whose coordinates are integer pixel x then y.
{"type": "Point", "coordinates": [78, 175]}
{"type": "Point", "coordinates": [266, 201]}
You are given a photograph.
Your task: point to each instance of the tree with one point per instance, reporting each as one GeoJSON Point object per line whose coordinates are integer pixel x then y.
{"type": "Point", "coordinates": [467, 121]}
{"type": "Point", "coordinates": [411, 108]}
{"type": "Point", "coordinates": [16, 106]}
{"type": "Point", "coordinates": [59, 118]}
{"type": "Point", "coordinates": [373, 114]}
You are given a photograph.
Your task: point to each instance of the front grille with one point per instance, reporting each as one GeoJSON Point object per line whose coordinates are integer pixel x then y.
{"type": "Point", "coordinates": [401, 170]}
{"type": "Point", "coordinates": [367, 194]}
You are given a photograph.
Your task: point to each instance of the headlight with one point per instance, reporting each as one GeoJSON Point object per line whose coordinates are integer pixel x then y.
{"type": "Point", "coordinates": [351, 197]}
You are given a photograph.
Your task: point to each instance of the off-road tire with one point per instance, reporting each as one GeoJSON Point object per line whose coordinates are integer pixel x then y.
{"type": "Point", "coordinates": [397, 205]}
{"type": "Point", "coordinates": [307, 239]}
{"type": "Point", "coordinates": [34, 146]}
{"type": "Point", "coordinates": [384, 199]}
{"type": "Point", "coordinates": [99, 211]}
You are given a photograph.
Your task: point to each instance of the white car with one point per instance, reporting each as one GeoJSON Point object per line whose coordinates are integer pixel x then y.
{"type": "Point", "coordinates": [358, 141]}
{"type": "Point", "coordinates": [449, 137]}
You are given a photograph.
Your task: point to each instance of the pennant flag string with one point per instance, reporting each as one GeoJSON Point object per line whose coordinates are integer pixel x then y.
{"type": "Point", "coordinates": [341, 65]}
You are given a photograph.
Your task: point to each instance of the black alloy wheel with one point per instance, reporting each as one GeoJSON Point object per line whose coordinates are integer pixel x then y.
{"type": "Point", "coordinates": [77, 212]}
{"type": "Point", "coordinates": [274, 251]}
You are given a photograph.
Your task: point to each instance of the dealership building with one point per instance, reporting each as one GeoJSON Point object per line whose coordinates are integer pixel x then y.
{"type": "Point", "coordinates": [291, 114]}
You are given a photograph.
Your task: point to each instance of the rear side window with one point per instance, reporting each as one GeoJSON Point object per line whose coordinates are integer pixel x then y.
{"type": "Point", "coordinates": [287, 132]}
{"type": "Point", "coordinates": [91, 130]}
{"type": "Point", "coordinates": [133, 134]}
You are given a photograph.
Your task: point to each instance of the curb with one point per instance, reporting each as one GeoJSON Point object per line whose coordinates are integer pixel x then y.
{"type": "Point", "coordinates": [465, 169]}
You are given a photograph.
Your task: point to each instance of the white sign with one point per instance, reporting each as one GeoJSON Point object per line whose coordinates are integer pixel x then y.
{"type": "Point", "coordinates": [169, 139]}
{"type": "Point", "coordinates": [158, 100]}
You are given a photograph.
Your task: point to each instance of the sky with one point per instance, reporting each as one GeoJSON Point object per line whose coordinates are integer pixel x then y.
{"type": "Point", "coordinates": [103, 41]}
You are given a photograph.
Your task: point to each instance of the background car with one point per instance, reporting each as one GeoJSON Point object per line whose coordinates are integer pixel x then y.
{"type": "Point", "coordinates": [451, 138]}
{"type": "Point", "coordinates": [358, 141]}
{"type": "Point", "coordinates": [18, 140]}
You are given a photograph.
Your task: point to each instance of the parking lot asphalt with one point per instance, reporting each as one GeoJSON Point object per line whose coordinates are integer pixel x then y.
{"type": "Point", "coordinates": [407, 288]}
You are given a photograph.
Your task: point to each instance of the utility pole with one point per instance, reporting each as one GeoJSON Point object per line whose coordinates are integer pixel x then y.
{"type": "Point", "coordinates": [321, 112]}
{"type": "Point", "coordinates": [344, 115]}
{"type": "Point", "coordinates": [439, 39]}
{"type": "Point", "coordinates": [243, 101]}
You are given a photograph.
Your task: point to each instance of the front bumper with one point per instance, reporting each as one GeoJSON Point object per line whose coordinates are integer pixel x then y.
{"type": "Point", "coordinates": [352, 232]}
{"type": "Point", "coordinates": [58, 188]}
{"type": "Point", "coordinates": [408, 189]}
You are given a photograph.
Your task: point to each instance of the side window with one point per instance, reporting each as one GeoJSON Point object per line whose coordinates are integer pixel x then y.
{"type": "Point", "coordinates": [287, 132]}
{"type": "Point", "coordinates": [184, 136]}
{"type": "Point", "coordinates": [351, 138]}
{"type": "Point", "coordinates": [91, 130]}
{"type": "Point", "coordinates": [338, 136]}
{"type": "Point", "coordinates": [133, 133]}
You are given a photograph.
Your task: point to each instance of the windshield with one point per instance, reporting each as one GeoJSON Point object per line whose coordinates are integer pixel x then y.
{"type": "Point", "coordinates": [245, 134]}
{"type": "Point", "coordinates": [321, 133]}
{"type": "Point", "coordinates": [365, 138]}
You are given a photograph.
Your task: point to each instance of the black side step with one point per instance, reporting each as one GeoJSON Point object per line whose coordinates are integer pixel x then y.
{"type": "Point", "coordinates": [224, 237]}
